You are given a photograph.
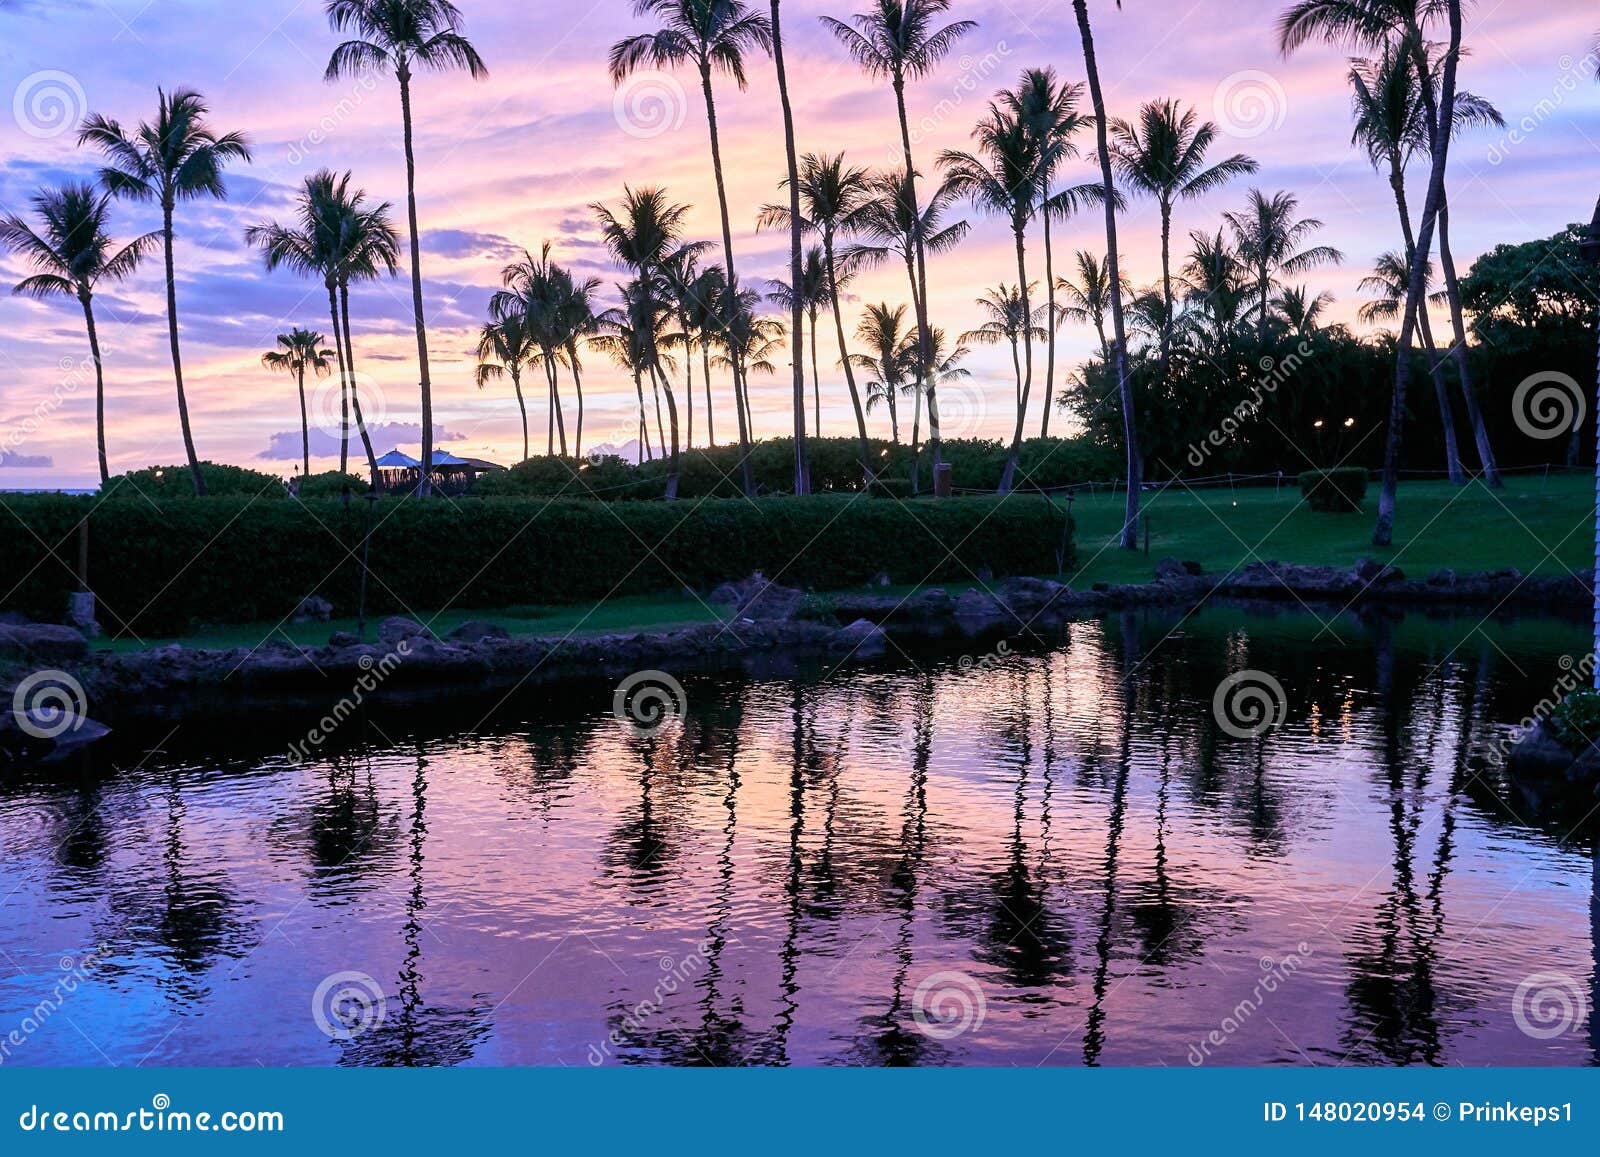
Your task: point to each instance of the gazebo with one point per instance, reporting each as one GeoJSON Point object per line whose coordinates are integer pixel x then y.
{"type": "Point", "coordinates": [397, 470]}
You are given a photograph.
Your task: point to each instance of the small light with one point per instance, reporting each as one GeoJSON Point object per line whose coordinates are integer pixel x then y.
{"type": "Point", "coordinates": [1317, 423]}
{"type": "Point", "coordinates": [161, 473]}
{"type": "Point", "coordinates": [1349, 422]}
{"type": "Point", "coordinates": [885, 454]}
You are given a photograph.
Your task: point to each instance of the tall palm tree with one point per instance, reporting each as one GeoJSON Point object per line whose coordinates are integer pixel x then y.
{"type": "Point", "coordinates": [1130, 429]}
{"type": "Point", "coordinates": [300, 350]}
{"type": "Point", "coordinates": [882, 330]}
{"type": "Point", "coordinates": [1163, 156]}
{"type": "Point", "coordinates": [70, 255]}
{"type": "Point", "coordinates": [1006, 180]}
{"type": "Point", "coordinates": [1388, 117]}
{"type": "Point", "coordinates": [404, 35]}
{"type": "Point", "coordinates": [944, 365]}
{"type": "Point", "coordinates": [797, 270]}
{"type": "Point", "coordinates": [176, 157]}
{"type": "Point", "coordinates": [506, 345]}
{"type": "Point", "coordinates": [368, 249]}
{"type": "Point", "coordinates": [575, 320]}
{"type": "Point", "coordinates": [1368, 25]}
{"type": "Point", "coordinates": [1088, 297]}
{"type": "Point", "coordinates": [1269, 237]}
{"type": "Point", "coordinates": [679, 272]}
{"type": "Point", "coordinates": [812, 297]}
{"type": "Point", "coordinates": [713, 36]}
{"type": "Point", "coordinates": [833, 199]}
{"type": "Point", "coordinates": [897, 41]}
{"type": "Point", "coordinates": [704, 299]}
{"type": "Point", "coordinates": [1010, 322]}
{"type": "Point", "coordinates": [534, 290]}
{"type": "Point", "coordinates": [1048, 112]}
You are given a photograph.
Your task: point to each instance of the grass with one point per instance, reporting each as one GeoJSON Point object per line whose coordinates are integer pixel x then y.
{"type": "Point", "coordinates": [1538, 525]}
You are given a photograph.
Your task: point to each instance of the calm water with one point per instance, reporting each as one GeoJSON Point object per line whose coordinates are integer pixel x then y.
{"type": "Point", "coordinates": [1057, 857]}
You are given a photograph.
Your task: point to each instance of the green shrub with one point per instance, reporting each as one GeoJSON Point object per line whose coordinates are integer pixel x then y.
{"type": "Point", "coordinates": [158, 482]}
{"type": "Point", "coordinates": [1576, 719]}
{"type": "Point", "coordinates": [160, 568]}
{"type": "Point", "coordinates": [331, 484]}
{"type": "Point", "coordinates": [1339, 491]}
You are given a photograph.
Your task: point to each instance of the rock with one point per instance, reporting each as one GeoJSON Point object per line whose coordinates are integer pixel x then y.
{"type": "Point", "coordinates": [1445, 578]}
{"type": "Point", "coordinates": [935, 602]}
{"type": "Point", "coordinates": [474, 630]}
{"type": "Point", "coordinates": [1370, 572]}
{"type": "Point", "coordinates": [313, 609]}
{"type": "Point", "coordinates": [35, 738]}
{"type": "Point", "coordinates": [725, 595]}
{"type": "Point", "coordinates": [975, 604]}
{"type": "Point", "coordinates": [862, 639]}
{"type": "Point", "coordinates": [1028, 596]}
{"type": "Point", "coordinates": [760, 600]}
{"type": "Point", "coordinates": [42, 643]}
{"type": "Point", "coordinates": [340, 640]}
{"type": "Point", "coordinates": [399, 628]}
{"type": "Point", "coordinates": [1170, 568]}
{"type": "Point", "coordinates": [1539, 754]}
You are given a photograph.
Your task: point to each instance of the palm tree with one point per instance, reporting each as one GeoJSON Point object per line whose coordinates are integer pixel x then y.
{"type": "Point", "coordinates": [1007, 180]}
{"type": "Point", "coordinates": [1164, 157]}
{"type": "Point", "coordinates": [679, 271]}
{"type": "Point", "coordinates": [616, 336]}
{"type": "Point", "coordinates": [812, 297]}
{"type": "Point", "coordinates": [575, 320]}
{"type": "Point", "coordinates": [833, 199]}
{"type": "Point", "coordinates": [1088, 299]}
{"type": "Point", "coordinates": [897, 40]}
{"type": "Point", "coordinates": [1269, 237]}
{"type": "Point", "coordinates": [404, 35]}
{"type": "Point", "coordinates": [797, 269]}
{"type": "Point", "coordinates": [1388, 127]}
{"type": "Point", "coordinates": [1048, 111]}
{"type": "Point", "coordinates": [882, 330]}
{"type": "Point", "coordinates": [506, 344]}
{"type": "Point", "coordinates": [943, 366]}
{"type": "Point", "coordinates": [1300, 311]}
{"type": "Point", "coordinates": [704, 299]}
{"type": "Point", "coordinates": [534, 291]}
{"type": "Point", "coordinates": [368, 248]}
{"type": "Point", "coordinates": [1010, 322]}
{"type": "Point", "coordinates": [176, 157]}
{"type": "Point", "coordinates": [300, 350]}
{"type": "Point", "coordinates": [1130, 429]}
{"type": "Point", "coordinates": [713, 36]}
{"type": "Point", "coordinates": [70, 255]}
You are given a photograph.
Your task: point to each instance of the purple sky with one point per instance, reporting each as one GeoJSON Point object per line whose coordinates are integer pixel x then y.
{"type": "Point", "coordinates": [513, 161]}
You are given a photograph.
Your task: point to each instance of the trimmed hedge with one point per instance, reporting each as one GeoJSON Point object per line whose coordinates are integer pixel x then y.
{"type": "Point", "coordinates": [1338, 491]}
{"type": "Point", "coordinates": [160, 569]}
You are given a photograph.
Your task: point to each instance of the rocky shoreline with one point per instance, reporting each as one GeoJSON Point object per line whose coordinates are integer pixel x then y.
{"type": "Point", "coordinates": [768, 627]}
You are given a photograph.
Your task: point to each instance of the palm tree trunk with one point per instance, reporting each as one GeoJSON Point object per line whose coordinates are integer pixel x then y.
{"type": "Point", "coordinates": [644, 427]}
{"type": "Point", "coordinates": [1166, 288]}
{"type": "Point", "coordinates": [919, 286]}
{"type": "Point", "coordinates": [1452, 452]}
{"type": "Point", "coordinates": [577, 388]}
{"type": "Point", "coordinates": [555, 403]}
{"type": "Point", "coordinates": [100, 388]}
{"type": "Point", "coordinates": [549, 409]}
{"type": "Point", "coordinates": [844, 360]}
{"type": "Point", "coordinates": [688, 375]}
{"type": "Point", "coordinates": [1452, 292]}
{"type": "Point", "coordinates": [746, 468]}
{"type": "Point", "coordinates": [403, 74]}
{"type": "Point", "coordinates": [344, 379]}
{"type": "Point", "coordinates": [816, 379]}
{"type": "Point", "coordinates": [355, 397]}
{"type": "Point", "coordinates": [919, 384]}
{"type": "Point", "coordinates": [672, 419]}
{"type": "Point", "coordinates": [802, 461]}
{"type": "Point", "coordinates": [177, 360]}
{"type": "Point", "coordinates": [1383, 532]}
{"type": "Point", "coordinates": [705, 375]}
{"type": "Point", "coordinates": [305, 426]}
{"type": "Point", "coordinates": [661, 429]}
{"type": "Point", "coordinates": [522, 406]}
{"type": "Point", "coordinates": [1009, 479]}
{"type": "Point", "coordinates": [1130, 522]}
{"type": "Point", "coordinates": [1050, 357]}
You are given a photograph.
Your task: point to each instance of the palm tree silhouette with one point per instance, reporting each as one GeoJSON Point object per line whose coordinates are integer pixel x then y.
{"type": "Point", "coordinates": [368, 248]}
{"type": "Point", "coordinates": [536, 291]}
{"type": "Point", "coordinates": [402, 35]}
{"type": "Point", "coordinates": [680, 272]}
{"type": "Point", "coordinates": [881, 330]}
{"type": "Point", "coordinates": [505, 345]}
{"type": "Point", "coordinates": [1010, 321]}
{"type": "Point", "coordinates": [833, 199]}
{"type": "Point", "coordinates": [797, 268]}
{"type": "Point", "coordinates": [1269, 236]}
{"type": "Point", "coordinates": [897, 40]}
{"type": "Point", "coordinates": [1089, 297]}
{"type": "Point", "coordinates": [1006, 180]}
{"type": "Point", "coordinates": [712, 35]}
{"type": "Point", "coordinates": [811, 297]}
{"type": "Point", "coordinates": [176, 157]}
{"type": "Point", "coordinates": [1164, 157]}
{"type": "Point", "coordinates": [70, 256]}
{"type": "Point", "coordinates": [300, 350]}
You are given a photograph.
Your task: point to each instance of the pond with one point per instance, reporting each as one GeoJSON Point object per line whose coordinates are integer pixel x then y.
{"type": "Point", "coordinates": [1057, 850]}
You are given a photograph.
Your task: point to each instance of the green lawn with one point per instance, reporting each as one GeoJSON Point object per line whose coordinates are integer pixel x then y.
{"type": "Point", "coordinates": [1538, 526]}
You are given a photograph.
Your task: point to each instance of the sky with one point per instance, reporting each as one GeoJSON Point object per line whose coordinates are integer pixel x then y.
{"type": "Point", "coordinates": [516, 160]}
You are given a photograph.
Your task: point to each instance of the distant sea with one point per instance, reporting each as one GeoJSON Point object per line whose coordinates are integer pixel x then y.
{"type": "Point", "coordinates": [49, 490]}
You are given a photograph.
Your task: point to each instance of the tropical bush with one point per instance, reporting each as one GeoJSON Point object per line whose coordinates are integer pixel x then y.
{"type": "Point", "coordinates": [161, 482]}
{"type": "Point", "coordinates": [1339, 491]}
{"type": "Point", "coordinates": [332, 484]}
{"type": "Point", "coordinates": [160, 568]}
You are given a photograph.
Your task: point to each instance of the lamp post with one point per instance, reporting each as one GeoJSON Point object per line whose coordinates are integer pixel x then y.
{"type": "Point", "coordinates": [1589, 251]}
